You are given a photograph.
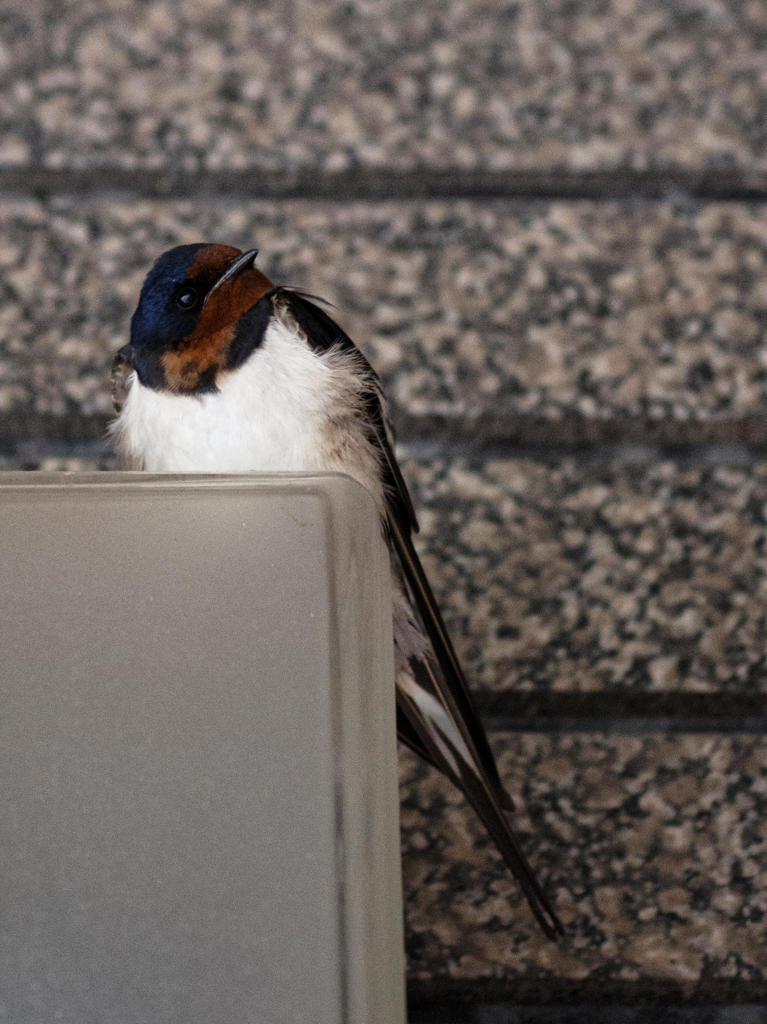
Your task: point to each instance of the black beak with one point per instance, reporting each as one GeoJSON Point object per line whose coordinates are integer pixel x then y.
{"type": "Point", "coordinates": [244, 262]}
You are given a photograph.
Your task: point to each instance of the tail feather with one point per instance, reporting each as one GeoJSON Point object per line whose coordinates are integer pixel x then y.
{"type": "Point", "coordinates": [450, 681]}
{"type": "Point", "coordinates": [496, 822]}
{"type": "Point", "coordinates": [425, 726]}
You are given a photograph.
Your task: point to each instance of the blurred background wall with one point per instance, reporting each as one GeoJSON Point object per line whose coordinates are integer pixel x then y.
{"type": "Point", "coordinates": [545, 224]}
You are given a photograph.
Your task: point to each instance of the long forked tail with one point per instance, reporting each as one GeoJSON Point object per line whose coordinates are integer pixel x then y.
{"type": "Point", "coordinates": [425, 727]}
{"type": "Point", "coordinates": [496, 821]}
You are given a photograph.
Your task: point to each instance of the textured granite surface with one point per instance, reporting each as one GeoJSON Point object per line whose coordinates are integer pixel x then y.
{"type": "Point", "coordinates": [331, 85]}
{"type": "Point", "coordinates": [593, 574]}
{"type": "Point", "coordinates": [653, 847]}
{"type": "Point", "coordinates": [540, 319]}
{"type": "Point", "coordinates": [640, 582]}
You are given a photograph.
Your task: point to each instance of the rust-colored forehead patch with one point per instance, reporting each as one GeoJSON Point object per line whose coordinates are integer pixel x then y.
{"type": "Point", "coordinates": [212, 260]}
{"type": "Point", "coordinates": [227, 304]}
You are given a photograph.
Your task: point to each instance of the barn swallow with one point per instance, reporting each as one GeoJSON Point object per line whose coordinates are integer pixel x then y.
{"type": "Point", "coordinates": [226, 372]}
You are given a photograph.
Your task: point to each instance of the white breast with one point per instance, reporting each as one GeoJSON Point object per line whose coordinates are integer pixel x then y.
{"type": "Point", "coordinates": [286, 408]}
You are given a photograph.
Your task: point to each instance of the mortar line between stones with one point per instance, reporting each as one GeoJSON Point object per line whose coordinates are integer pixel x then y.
{"type": "Point", "coordinates": [26, 433]}
{"type": "Point", "coordinates": [631, 725]}
{"type": "Point", "coordinates": [543, 709]}
{"type": "Point", "coordinates": [438, 1012]}
{"type": "Point", "coordinates": [736, 184]}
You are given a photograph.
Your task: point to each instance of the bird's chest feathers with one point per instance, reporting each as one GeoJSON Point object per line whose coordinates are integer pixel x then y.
{"type": "Point", "coordinates": [273, 413]}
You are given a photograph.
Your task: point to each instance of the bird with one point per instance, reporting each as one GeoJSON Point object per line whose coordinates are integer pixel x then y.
{"type": "Point", "coordinates": [227, 372]}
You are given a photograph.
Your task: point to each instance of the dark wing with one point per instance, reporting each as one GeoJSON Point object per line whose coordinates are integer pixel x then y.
{"type": "Point", "coordinates": [440, 675]}
{"type": "Point", "coordinates": [322, 333]}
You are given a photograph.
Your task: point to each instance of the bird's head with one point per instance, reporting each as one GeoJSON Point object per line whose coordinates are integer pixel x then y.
{"type": "Point", "coordinates": [185, 329]}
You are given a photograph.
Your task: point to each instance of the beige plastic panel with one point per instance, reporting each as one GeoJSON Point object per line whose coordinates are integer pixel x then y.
{"type": "Point", "coordinates": [198, 802]}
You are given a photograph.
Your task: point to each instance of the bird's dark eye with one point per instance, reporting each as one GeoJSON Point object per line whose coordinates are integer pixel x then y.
{"type": "Point", "coordinates": [186, 297]}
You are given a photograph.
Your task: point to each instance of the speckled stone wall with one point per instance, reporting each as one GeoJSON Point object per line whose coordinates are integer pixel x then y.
{"type": "Point", "coordinates": [546, 225]}
{"type": "Point", "coordinates": [329, 85]}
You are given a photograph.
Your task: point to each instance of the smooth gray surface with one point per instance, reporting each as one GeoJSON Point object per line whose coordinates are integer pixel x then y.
{"type": "Point", "coordinates": [184, 833]}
